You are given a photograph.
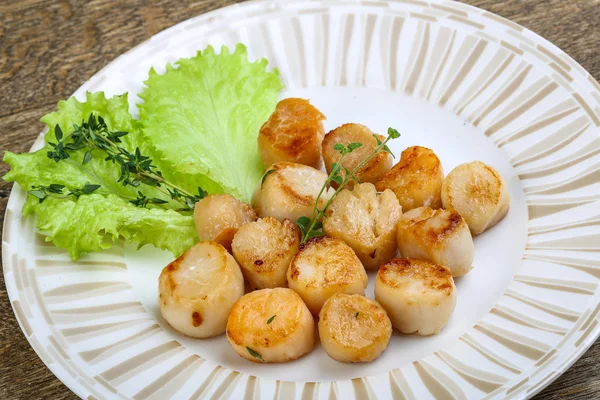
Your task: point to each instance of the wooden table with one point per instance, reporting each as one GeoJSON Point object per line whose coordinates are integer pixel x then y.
{"type": "Point", "coordinates": [48, 48]}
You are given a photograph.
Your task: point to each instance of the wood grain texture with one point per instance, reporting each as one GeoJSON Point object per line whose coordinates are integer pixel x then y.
{"type": "Point", "coordinates": [48, 48]}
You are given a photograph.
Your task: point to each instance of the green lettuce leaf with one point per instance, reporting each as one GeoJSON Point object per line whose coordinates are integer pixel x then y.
{"type": "Point", "coordinates": [199, 123]}
{"type": "Point", "coordinates": [203, 119]}
{"type": "Point", "coordinates": [115, 112]}
{"type": "Point", "coordinates": [93, 222]}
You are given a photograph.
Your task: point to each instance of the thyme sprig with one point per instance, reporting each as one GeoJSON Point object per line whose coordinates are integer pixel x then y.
{"type": "Point", "coordinates": [254, 353]}
{"type": "Point", "coordinates": [55, 190]}
{"type": "Point", "coordinates": [312, 227]}
{"type": "Point", "coordinates": [135, 168]}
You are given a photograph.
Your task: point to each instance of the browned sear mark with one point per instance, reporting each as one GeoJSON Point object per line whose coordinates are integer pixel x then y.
{"type": "Point", "coordinates": [196, 319]}
{"type": "Point", "coordinates": [175, 263]}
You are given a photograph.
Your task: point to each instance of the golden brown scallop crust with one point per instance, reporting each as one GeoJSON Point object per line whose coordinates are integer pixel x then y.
{"type": "Point", "coordinates": [345, 134]}
{"type": "Point", "coordinates": [431, 234]}
{"type": "Point", "coordinates": [264, 261]}
{"type": "Point", "coordinates": [264, 249]}
{"type": "Point", "coordinates": [416, 180]}
{"type": "Point", "coordinates": [253, 306]}
{"type": "Point", "coordinates": [298, 198]}
{"type": "Point", "coordinates": [433, 277]}
{"type": "Point", "coordinates": [338, 262]}
{"type": "Point", "coordinates": [323, 267]}
{"type": "Point", "coordinates": [286, 188]}
{"type": "Point", "coordinates": [289, 239]}
{"type": "Point", "coordinates": [354, 320]}
{"type": "Point", "coordinates": [293, 133]}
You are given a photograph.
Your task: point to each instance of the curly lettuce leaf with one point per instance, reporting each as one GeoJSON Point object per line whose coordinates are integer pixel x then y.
{"type": "Point", "coordinates": [93, 222]}
{"type": "Point", "coordinates": [203, 118]}
{"type": "Point", "coordinates": [114, 110]}
{"type": "Point", "coordinates": [200, 123]}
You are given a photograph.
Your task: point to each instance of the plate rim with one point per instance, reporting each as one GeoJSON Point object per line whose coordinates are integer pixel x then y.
{"type": "Point", "coordinates": [568, 360]}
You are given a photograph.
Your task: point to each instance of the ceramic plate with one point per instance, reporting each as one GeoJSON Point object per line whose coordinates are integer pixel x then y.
{"type": "Point", "coordinates": [462, 81]}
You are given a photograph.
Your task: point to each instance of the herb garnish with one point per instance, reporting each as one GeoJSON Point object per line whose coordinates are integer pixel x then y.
{"type": "Point", "coordinates": [269, 172]}
{"type": "Point", "coordinates": [356, 315]}
{"type": "Point", "coordinates": [254, 353]}
{"type": "Point", "coordinates": [136, 169]}
{"type": "Point", "coordinates": [271, 319]}
{"type": "Point", "coordinates": [312, 227]}
{"type": "Point", "coordinates": [55, 190]}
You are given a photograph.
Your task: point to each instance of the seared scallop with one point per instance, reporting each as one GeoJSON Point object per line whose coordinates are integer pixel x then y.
{"type": "Point", "coordinates": [323, 267]}
{"type": "Point", "coordinates": [374, 169]}
{"type": "Point", "coordinates": [366, 221]}
{"type": "Point", "coordinates": [477, 192]}
{"type": "Point", "coordinates": [197, 290]}
{"type": "Point", "coordinates": [293, 133]}
{"type": "Point", "coordinates": [418, 296]}
{"type": "Point", "coordinates": [353, 328]}
{"type": "Point", "coordinates": [416, 180]}
{"type": "Point", "coordinates": [290, 191]}
{"type": "Point", "coordinates": [440, 236]}
{"type": "Point", "coordinates": [219, 216]}
{"type": "Point", "coordinates": [271, 325]}
{"type": "Point", "coordinates": [264, 249]}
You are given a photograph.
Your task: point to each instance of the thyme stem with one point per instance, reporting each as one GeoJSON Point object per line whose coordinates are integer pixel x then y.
{"type": "Point", "coordinates": [136, 168]}
{"type": "Point", "coordinates": [312, 227]}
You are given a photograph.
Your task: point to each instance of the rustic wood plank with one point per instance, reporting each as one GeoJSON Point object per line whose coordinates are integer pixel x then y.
{"type": "Point", "coordinates": [48, 48]}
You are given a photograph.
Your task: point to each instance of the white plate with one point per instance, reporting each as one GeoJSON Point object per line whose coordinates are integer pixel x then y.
{"type": "Point", "coordinates": [467, 83]}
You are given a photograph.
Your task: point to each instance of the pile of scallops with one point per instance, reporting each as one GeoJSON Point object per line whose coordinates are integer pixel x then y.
{"type": "Point", "coordinates": [250, 276]}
